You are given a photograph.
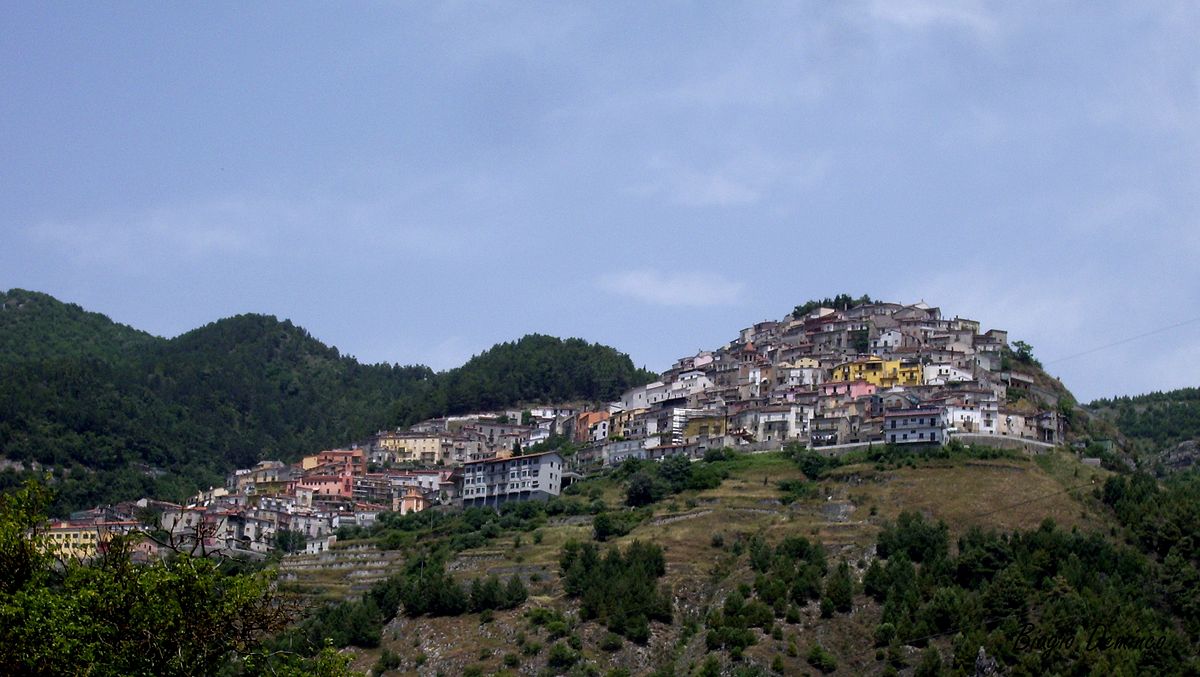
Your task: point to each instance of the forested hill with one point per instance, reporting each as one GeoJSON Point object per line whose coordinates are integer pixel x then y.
{"type": "Point", "coordinates": [1156, 422]}
{"type": "Point", "coordinates": [128, 414]}
{"type": "Point", "coordinates": [37, 326]}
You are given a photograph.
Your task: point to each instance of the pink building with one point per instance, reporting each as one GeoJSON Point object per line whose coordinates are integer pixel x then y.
{"type": "Point", "coordinates": [329, 485]}
{"type": "Point", "coordinates": [852, 389]}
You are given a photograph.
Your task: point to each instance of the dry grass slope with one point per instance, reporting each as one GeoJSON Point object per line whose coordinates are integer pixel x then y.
{"type": "Point", "coordinates": [847, 513]}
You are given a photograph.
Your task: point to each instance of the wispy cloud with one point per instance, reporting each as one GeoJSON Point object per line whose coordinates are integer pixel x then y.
{"type": "Point", "coordinates": [744, 179]}
{"type": "Point", "coordinates": [250, 229]}
{"type": "Point", "coordinates": [673, 289]}
{"type": "Point", "coordinates": [922, 14]}
{"type": "Point", "coordinates": [216, 229]}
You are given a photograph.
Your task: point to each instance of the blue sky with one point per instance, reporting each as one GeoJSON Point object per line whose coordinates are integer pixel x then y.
{"type": "Point", "coordinates": [415, 182]}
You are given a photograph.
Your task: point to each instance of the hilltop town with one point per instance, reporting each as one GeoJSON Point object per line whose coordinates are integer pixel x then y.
{"type": "Point", "coordinates": [833, 376]}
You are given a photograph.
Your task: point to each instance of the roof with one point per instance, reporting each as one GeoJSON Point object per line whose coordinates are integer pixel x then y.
{"type": "Point", "coordinates": [910, 412]}
{"type": "Point", "coordinates": [511, 458]}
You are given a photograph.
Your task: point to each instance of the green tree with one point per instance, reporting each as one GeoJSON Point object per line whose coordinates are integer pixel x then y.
{"type": "Point", "coordinates": [287, 540]}
{"type": "Point", "coordinates": [1023, 352]}
{"type": "Point", "coordinates": [179, 616]}
{"type": "Point", "coordinates": [839, 589]}
{"type": "Point", "coordinates": [515, 593]}
{"type": "Point", "coordinates": [643, 489]}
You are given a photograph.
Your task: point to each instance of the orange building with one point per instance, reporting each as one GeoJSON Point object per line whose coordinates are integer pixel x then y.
{"type": "Point", "coordinates": [337, 461]}
{"type": "Point", "coordinates": [585, 423]}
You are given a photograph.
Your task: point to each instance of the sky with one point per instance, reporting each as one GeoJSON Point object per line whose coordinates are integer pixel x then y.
{"type": "Point", "coordinates": [414, 182]}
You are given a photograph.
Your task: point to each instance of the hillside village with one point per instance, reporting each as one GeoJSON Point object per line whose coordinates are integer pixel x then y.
{"type": "Point", "coordinates": [833, 379]}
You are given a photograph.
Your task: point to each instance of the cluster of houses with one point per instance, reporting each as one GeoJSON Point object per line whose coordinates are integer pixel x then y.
{"type": "Point", "coordinates": [873, 373]}
{"type": "Point", "coordinates": [302, 506]}
{"type": "Point", "coordinates": [828, 378]}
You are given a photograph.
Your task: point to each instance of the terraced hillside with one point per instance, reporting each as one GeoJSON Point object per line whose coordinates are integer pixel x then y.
{"type": "Point", "coordinates": [707, 536]}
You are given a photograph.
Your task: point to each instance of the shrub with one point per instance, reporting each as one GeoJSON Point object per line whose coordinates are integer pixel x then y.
{"type": "Point", "coordinates": [611, 642]}
{"type": "Point", "coordinates": [388, 660]}
{"type": "Point", "coordinates": [930, 665]}
{"type": "Point", "coordinates": [839, 590]}
{"type": "Point", "coordinates": [643, 489]}
{"type": "Point", "coordinates": [531, 648]}
{"type": "Point", "coordinates": [920, 540]}
{"type": "Point", "coordinates": [562, 656]}
{"type": "Point", "coordinates": [821, 659]}
{"type": "Point", "coordinates": [556, 629]}
{"type": "Point", "coordinates": [884, 634]}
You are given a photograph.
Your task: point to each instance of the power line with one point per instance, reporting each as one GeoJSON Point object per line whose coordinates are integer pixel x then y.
{"type": "Point", "coordinates": [1125, 340]}
{"type": "Point", "coordinates": [1030, 500]}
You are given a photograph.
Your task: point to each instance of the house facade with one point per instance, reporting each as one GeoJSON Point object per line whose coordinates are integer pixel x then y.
{"type": "Point", "coordinates": [925, 425]}
{"type": "Point", "coordinates": [536, 477]}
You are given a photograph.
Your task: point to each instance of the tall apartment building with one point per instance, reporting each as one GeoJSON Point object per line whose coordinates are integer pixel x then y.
{"type": "Point", "coordinates": [492, 482]}
{"type": "Point", "coordinates": [915, 426]}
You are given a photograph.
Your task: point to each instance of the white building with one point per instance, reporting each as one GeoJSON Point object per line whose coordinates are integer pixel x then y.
{"type": "Point", "coordinates": [915, 426]}
{"type": "Point", "coordinates": [615, 453]}
{"type": "Point", "coordinates": [523, 478]}
{"type": "Point", "coordinates": [941, 374]}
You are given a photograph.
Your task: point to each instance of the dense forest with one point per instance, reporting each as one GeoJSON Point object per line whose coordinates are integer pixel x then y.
{"type": "Point", "coordinates": [1155, 420]}
{"type": "Point", "coordinates": [119, 413]}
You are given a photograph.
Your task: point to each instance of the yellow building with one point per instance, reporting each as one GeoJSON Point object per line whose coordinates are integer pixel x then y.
{"type": "Point", "coordinates": [880, 372]}
{"type": "Point", "coordinates": [416, 447]}
{"type": "Point", "coordinates": [81, 540]}
{"type": "Point", "coordinates": [619, 423]}
{"type": "Point", "coordinates": [705, 426]}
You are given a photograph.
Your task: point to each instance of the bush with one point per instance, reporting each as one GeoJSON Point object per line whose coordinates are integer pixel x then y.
{"type": "Point", "coordinates": [531, 648]}
{"type": "Point", "coordinates": [611, 642]}
{"type": "Point", "coordinates": [388, 660]}
{"type": "Point", "coordinates": [511, 660]}
{"type": "Point", "coordinates": [638, 630]}
{"type": "Point", "coordinates": [557, 629]}
{"type": "Point", "coordinates": [839, 590]}
{"type": "Point", "coordinates": [562, 656]}
{"type": "Point", "coordinates": [821, 659]}
{"type": "Point", "coordinates": [884, 634]}
{"type": "Point", "coordinates": [920, 540]}
{"type": "Point", "coordinates": [930, 665]}
{"type": "Point", "coordinates": [643, 489]}
{"type": "Point", "coordinates": [827, 607]}
{"type": "Point", "coordinates": [608, 525]}
{"type": "Point", "coordinates": [813, 464]}
{"type": "Point", "coordinates": [794, 490]}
